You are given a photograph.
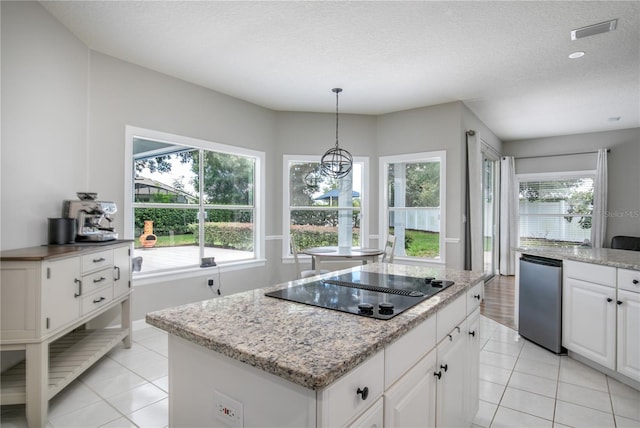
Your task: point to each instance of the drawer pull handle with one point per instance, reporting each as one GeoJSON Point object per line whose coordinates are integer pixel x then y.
{"type": "Point", "coordinates": [635, 281]}
{"type": "Point", "coordinates": [99, 300]}
{"type": "Point", "coordinates": [472, 333]}
{"type": "Point", "coordinates": [450, 338]}
{"type": "Point", "coordinates": [619, 302]}
{"type": "Point", "coordinates": [101, 259]}
{"type": "Point", "coordinates": [79, 293]}
{"type": "Point", "coordinates": [438, 374]}
{"type": "Point", "coordinates": [364, 392]}
{"type": "Point", "coordinates": [102, 278]}
{"type": "Point", "coordinates": [609, 299]}
{"type": "Point", "coordinates": [116, 269]}
{"type": "Point", "coordinates": [444, 367]}
{"type": "Point", "coordinates": [476, 296]}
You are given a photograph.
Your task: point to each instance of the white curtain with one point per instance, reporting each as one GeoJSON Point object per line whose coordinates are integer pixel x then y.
{"type": "Point", "coordinates": [599, 219]}
{"type": "Point", "coordinates": [508, 215]}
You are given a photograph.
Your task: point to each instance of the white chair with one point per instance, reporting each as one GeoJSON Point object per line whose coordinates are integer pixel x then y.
{"type": "Point", "coordinates": [389, 249]}
{"type": "Point", "coordinates": [302, 273]}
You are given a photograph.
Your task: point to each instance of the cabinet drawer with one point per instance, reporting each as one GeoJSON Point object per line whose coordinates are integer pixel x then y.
{"type": "Point", "coordinates": [96, 261]}
{"type": "Point", "coordinates": [372, 418]}
{"type": "Point", "coordinates": [629, 280]}
{"type": "Point", "coordinates": [96, 300]}
{"type": "Point", "coordinates": [450, 316]}
{"type": "Point", "coordinates": [605, 275]}
{"type": "Point", "coordinates": [340, 402]}
{"type": "Point", "coordinates": [97, 280]}
{"type": "Point", "coordinates": [474, 297]}
{"type": "Point", "coordinates": [402, 354]}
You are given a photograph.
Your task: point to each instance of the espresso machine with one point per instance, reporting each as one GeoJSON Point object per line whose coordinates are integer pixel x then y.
{"type": "Point", "coordinates": [93, 218]}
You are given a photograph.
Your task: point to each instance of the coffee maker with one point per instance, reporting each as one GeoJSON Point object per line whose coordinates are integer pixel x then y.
{"type": "Point", "coordinates": [93, 218]}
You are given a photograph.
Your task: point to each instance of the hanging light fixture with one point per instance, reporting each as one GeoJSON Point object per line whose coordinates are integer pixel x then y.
{"type": "Point", "coordinates": [336, 162]}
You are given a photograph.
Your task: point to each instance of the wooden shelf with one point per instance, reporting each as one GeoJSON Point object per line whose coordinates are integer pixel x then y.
{"type": "Point", "coordinates": [69, 357]}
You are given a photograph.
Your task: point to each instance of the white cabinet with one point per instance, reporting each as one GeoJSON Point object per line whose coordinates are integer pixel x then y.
{"type": "Point", "coordinates": [472, 389]}
{"type": "Point", "coordinates": [121, 271]}
{"type": "Point", "coordinates": [589, 312]}
{"type": "Point", "coordinates": [629, 334]}
{"type": "Point", "coordinates": [372, 418]}
{"type": "Point", "coordinates": [61, 289]}
{"type": "Point", "coordinates": [48, 295]}
{"type": "Point", "coordinates": [411, 401]}
{"type": "Point", "coordinates": [451, 368]}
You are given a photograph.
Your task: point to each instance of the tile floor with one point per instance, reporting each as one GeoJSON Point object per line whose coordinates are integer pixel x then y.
{"type": "Point", "coordinates": [521, 385]}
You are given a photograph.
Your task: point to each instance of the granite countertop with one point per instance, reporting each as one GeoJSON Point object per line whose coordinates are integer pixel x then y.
{"type": "Point", "coordinates": [51, 252]}
{"type": "Point", "coordinates": [307, 345]}
{"type": "Point", "coordinates": [602, 256]}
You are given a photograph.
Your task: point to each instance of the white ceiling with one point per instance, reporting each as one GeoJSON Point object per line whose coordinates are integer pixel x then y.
{"type": "Point", "coordinates": [507, 61]}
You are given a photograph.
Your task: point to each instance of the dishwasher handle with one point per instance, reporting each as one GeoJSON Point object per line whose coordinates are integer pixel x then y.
{"type": "Point", "coordinates": [541, 260]}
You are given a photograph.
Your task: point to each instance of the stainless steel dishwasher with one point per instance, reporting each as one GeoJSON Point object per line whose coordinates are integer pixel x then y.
{"type": "Point", "coordinates": [540, 302]}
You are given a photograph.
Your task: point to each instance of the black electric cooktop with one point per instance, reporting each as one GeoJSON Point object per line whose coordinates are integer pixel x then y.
{"type": "Point", "coordinates": [374, 295]}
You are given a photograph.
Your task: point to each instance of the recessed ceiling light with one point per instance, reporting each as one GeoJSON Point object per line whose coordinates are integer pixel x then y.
{"type": "Point", "coordinates": [614, 119]}
{"type": "Point", "coordinates": [575, 55]}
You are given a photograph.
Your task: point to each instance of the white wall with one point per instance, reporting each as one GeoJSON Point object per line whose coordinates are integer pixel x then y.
{"type": "Point", "coordinates": [430, 129]}
{"type": "Point", "coordinates": [44, 122]}
{"type": "Point", "coordinates": [623, 203]}
{"type": "Point", "coordinates": [65, 109]}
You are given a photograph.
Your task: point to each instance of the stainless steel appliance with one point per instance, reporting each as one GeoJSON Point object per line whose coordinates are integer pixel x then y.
{"type": "Point", "coordinates": [93, 218]}
{"type": "Point", "coordinates": [540, 302]}
{"type": "Point", "coordinates": [374, 295]}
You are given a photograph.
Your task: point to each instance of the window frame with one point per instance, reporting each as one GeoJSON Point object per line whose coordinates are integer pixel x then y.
{"type": "Point", "coordinates": [383, 214]}
{"type": "Point", "coordinates": [132, 132]}
{"type": "Point", "coordinates": [287, 208]}
{"type": "Point", "coordinates": [550, 176]}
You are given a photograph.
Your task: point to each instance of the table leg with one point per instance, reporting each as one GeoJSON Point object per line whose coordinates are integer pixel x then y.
{"type": "Point", "coordinates": [37, 378]}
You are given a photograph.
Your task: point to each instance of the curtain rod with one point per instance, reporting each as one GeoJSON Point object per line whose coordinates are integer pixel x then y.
{"type": "Point", "coordinates": [562, 154]}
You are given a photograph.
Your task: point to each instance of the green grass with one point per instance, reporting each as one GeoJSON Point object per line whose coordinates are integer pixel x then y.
{"type": "Point", "coordinates": [422, 244]}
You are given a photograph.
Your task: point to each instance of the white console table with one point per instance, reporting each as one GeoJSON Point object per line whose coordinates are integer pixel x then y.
{"type": "Point", "coordinates": [48, 294]}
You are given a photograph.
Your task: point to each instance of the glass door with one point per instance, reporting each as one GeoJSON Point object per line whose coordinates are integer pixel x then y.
{"type": "Point", "coordinates": [489, 213]}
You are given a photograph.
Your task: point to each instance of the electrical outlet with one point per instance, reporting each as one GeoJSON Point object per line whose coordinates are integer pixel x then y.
{"type": "Point", "coordinates": [210, 282]}
{"type": "Point", "coordinates": [228, 410]}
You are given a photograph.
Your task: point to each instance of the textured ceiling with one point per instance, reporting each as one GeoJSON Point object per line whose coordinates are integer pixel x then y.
{"type": "Point", "coordinates": [507, 61]}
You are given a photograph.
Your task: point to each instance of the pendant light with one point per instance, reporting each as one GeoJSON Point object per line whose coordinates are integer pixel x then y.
{"type": "Point", "coordinates": [336, 162]}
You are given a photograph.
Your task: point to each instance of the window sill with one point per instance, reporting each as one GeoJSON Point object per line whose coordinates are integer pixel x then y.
{"type": "Point", "coordinates": [154, 278]}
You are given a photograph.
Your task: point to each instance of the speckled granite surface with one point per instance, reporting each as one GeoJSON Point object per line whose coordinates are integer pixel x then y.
{"type": "Point", "coordinates": [307, 345]}
{"type": "Point", "coordinates": [601, 256]}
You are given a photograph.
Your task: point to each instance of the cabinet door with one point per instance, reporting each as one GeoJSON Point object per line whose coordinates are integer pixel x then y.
{"type": "Point", "coordinates": [411, 401]}
{"type": "Point", "coordinates": [121, 271]}
{"type": "Point", "coordinates": [452, 364]}
{"type": "Point", "coordinates": [629, 334]}
{"type": "Point", "coordinates": [589, 321]}
{"type": "Point", "coordinates": [61, 291]}
{"type": "Point", "coordinates": [473, 366]}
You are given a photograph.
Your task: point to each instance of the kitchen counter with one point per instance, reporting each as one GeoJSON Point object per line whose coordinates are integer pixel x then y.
{"type": "Point", "coordinates": [309, 346]}
{"type": "Point", "coordinates": [602, 256]}
{"type": "Point", "coordinates": [52, 252]}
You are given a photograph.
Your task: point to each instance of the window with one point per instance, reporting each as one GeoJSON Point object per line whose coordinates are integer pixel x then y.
{"type": "Point", "coordinates": [555, 210]}
{"type": "Point", "coordinates": [191, 199]}
{"type": "Point", "coordinates": [320, 211]}
{"type": "Point", "coordinates": [412, 210]}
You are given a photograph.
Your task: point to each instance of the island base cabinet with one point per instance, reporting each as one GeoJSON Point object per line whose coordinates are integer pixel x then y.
{"type": "Point", "coordinates": [411, 401]}
{"type": "Point", "coordinates": [629, 334]}
{"type": "Point", "coordinates": [197, 375]}
{"type": "Point", "coordinates": [372, 418]}
{"type": "Point", "coordinates": [451, 370]}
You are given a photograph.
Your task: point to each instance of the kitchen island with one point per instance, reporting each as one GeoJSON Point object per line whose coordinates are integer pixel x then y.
{"type": "Point", "coordinates": [253, 360]}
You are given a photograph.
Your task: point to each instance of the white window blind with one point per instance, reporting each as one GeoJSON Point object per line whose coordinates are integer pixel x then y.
{"type": "Point", "coordinates": [555, 211]}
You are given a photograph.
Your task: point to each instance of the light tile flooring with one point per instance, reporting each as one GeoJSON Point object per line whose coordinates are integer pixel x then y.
{"type": "Point", "coordinates": [521, 385]}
